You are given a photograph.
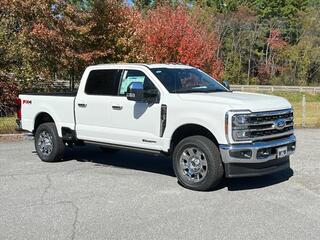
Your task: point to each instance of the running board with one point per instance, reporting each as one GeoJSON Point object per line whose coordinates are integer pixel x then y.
{"type": "Point", "coordinates": [116, 146]}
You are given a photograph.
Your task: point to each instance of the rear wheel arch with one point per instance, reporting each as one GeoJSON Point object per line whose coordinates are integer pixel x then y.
{"type": "Point", "coordinates": [42, 117]}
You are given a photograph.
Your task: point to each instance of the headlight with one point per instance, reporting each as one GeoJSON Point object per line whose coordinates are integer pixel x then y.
{"type": "Point", "coordinates": [239, 119]}
{"type": "Point", "coordinates": [240, 130]}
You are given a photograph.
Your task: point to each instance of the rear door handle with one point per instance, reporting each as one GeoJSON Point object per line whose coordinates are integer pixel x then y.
{"type": "Point", "coordinates": [83, 105]}
{"type": "Point", "coordinates": [117, 107]}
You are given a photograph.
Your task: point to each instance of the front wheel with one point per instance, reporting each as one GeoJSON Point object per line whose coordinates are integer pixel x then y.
{"type": "Point", "coordinates": [48, 144]}
{"type": "Point", "coordinates": [197, 163]}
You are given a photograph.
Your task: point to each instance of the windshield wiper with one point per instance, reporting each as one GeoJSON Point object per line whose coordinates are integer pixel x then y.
{"type": "Point", "coordinates": [217, 90]}
{"type": "Point", "coordinates": [199, 90]}
{"type": "Point", "coordinates": [191, 91]}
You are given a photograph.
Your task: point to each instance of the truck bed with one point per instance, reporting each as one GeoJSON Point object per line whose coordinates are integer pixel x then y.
{"type": "Point", "coordinates": [60, 106]}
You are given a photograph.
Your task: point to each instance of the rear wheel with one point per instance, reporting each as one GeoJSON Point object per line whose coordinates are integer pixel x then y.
{"type": "Point", "coordinates": [197, 163]}
{"type": "Point", "coordinates": [48, 144]}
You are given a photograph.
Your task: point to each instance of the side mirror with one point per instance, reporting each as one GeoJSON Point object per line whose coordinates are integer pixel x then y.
{"type": "Point", "coordinates": [226, 84]}
{"type": "Point", "coordinates": [151, 93]}
{"type": "Point", "coordinates": [135, 92]}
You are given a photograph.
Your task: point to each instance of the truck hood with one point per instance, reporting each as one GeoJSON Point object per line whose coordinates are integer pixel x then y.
{"type": "Point", "coordinates": [240, 100]}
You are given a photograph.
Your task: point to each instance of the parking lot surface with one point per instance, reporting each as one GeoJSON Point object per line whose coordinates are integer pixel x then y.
{"type": "Point", "coordinates": [127, 195]}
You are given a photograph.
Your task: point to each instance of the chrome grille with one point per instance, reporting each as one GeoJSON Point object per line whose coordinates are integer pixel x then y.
{"type": "Point", "coordinates": [265, 125]}
{"type": "Point", "coordinates": [262, 125]}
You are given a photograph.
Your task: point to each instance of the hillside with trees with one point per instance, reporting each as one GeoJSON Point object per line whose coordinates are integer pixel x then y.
{"type": "Point", "coordinates": [247, 42]}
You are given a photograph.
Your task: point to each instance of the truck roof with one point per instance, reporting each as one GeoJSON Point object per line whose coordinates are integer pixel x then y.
{"type": "Point", "coordinates": [153, 65]}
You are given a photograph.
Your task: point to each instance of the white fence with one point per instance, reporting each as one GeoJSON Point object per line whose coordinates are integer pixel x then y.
{"type": "Point", "coordinates": [313, 120]}
{"type": "Point", "coordinates": [269, 88]}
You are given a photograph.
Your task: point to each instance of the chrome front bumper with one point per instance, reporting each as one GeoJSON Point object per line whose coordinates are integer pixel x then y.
{"type": "Point", "coordinates": [227, 151]}
{"type": "Point", "coordinates": [255, 164]}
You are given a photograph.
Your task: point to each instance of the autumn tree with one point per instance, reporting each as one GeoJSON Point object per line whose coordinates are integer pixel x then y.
{"type": "Point", "coordinates": [172, 35]}
{"type": "Point", "coordinates": [17, 57]}
{"type": "Point", "coordinates": [247, 42]}
{"type": "Point", "coordinates": [302, 60]}
{"type": "Point", "coordinates": [60, 38]}
{"type": "Point", "coordinates": [241, 33]}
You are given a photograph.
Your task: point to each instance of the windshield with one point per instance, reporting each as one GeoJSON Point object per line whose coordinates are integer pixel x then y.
{"type": "Point", "coordinates": [187, 80]}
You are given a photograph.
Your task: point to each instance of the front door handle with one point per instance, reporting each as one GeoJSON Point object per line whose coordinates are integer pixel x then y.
{"type": "Point", "coordinates": [83, 105]}
{"type": "Point", "coordinates": [117, 107]}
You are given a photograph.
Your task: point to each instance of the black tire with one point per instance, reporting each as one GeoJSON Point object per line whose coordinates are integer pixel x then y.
{"type": "Point", "coordinates": [56, 154]}
{"type": "Point", "coordinates": [109, 150]}
{"type": "Point", "coordinates": [213, 167]}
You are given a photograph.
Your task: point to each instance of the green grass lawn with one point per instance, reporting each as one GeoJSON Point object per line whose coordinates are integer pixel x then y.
{"type": "Point", "coordinates": [8, 124]}
{"type": "Point", "coordinates": [312, 112]}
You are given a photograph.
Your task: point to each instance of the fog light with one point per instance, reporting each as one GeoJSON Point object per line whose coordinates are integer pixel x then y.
{"type": "Point", "coordinates": [264, 153]}
{"type": "Point", "coordinates": [292, 147]}
{"type": "Point", "coordinates": [241, 134]}
{"type": "Point", "coordinates": [241, 154]}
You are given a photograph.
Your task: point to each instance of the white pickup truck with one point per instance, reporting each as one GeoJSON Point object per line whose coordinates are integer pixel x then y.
{"type": "Point", "coordinates": [178, 110]}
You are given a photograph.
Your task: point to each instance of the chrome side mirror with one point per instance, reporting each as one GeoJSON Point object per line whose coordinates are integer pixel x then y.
{"type": "Point", "coordinates": [135, 92]}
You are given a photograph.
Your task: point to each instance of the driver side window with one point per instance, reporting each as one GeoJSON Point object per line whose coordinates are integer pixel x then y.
{"type": "Point", "coordinates": [130, 76]}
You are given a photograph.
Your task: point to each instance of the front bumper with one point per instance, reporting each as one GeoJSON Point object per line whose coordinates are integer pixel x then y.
{"type": "Point", "coordinates": [256, 163]}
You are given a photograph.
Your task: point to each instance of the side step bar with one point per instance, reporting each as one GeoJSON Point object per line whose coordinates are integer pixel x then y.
{"type": "Point", "coordinates": [116, 146]}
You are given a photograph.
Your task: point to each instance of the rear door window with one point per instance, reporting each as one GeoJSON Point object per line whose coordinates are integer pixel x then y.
{"type": "Point", "coordinates": [103, 82]}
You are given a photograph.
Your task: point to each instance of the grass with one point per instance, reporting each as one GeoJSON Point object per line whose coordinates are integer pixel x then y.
{"type": "Point", "coordinates": [295, 97]}
{"type": "Point", "coordinates": [8, 124]}
{"type": "Point", "coordinates": [312, 112]}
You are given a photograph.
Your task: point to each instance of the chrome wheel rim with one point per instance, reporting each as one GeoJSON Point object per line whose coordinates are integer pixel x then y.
{"type": "Point", "coordinates": [45, 143]}
{"type": "Point", "coordinates": [194, 165]}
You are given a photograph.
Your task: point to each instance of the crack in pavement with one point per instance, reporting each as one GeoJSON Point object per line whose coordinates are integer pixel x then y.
{"type": "Point", "coordinates": [46, 188]}
{"type": "Point", "coordinates": [82, 169]}
{"type": "Point", "coordinates": [75, 218]}
{"type": "Point", "coordinates": [75, 207]}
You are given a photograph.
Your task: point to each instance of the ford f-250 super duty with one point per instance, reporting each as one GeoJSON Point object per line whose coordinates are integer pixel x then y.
{"type": "Point", "coordinates": [178, 110]}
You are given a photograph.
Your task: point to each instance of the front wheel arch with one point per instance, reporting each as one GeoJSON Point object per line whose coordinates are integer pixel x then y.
{"type": "Point", "coordinates": [188, 130]}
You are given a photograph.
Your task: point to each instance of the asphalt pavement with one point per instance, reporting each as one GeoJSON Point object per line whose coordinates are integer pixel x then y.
{"type": "Point", "coordinates": [127, 195]}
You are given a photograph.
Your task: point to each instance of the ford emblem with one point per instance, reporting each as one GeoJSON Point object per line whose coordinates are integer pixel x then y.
{"type": "Point", "coordinates": [279, 124]}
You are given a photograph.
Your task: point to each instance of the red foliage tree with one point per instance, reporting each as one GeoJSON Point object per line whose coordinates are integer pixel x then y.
{"type": "Point", "coordinates": [173, 36]}
{"type": "Point", "coordinates": [275, 41]}
{"type": "Point", "coordinates": [8, 94]}
{"type": "Point", "coordinates": [270, 68]}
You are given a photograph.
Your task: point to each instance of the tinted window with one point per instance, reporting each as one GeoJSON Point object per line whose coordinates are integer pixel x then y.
{"type": "Point", "coordinates": [130, 76]}
{"type": "Point", "coordinates": [103, 82]}
{"type": "Point", "coordinates": [187, 80]}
